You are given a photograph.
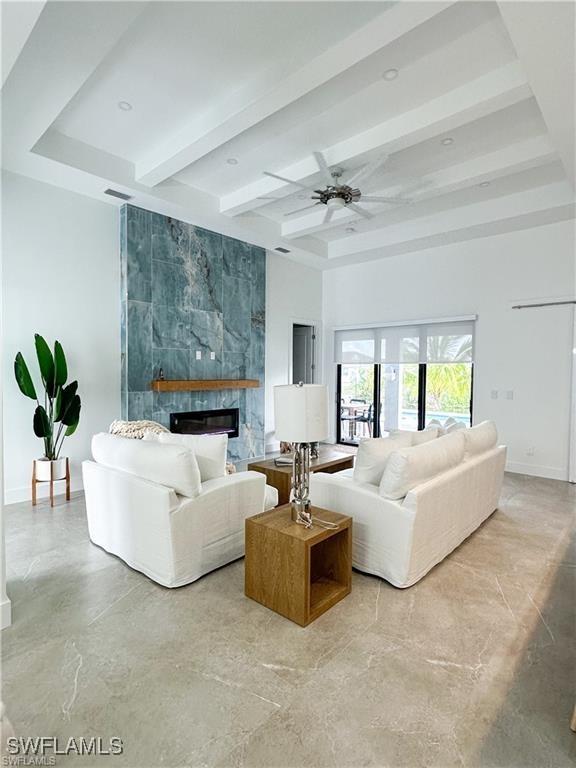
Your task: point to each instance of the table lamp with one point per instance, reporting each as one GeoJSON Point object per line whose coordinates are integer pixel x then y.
{"type": "Point", "coordinates": [301, 418]}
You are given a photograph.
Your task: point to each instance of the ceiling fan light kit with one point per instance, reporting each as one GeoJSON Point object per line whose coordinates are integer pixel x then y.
{"type": "Point", "coordinates": [340, 193]}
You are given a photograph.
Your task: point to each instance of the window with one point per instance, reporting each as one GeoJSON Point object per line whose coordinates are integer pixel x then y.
{"type": "Point", "coordinates": [402, 377]}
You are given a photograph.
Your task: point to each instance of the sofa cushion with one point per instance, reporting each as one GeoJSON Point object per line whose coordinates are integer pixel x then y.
{"type": "Point", "coordinates": [210, 451]}
{"type": "Point", "coordinates": [479, 439]}
{"type": "Point", "coordinates": [455, 426]}
{"type": "Point", "coordinates": [424, 435]}
{"type": "Point", "coordinates": [373, 454]}
{"type": "Point", "coordinates": [173, 466]}
{"type": "Point", "coordinates": [409, 467]}
{"type": "Point", "coordinates": [436, 424]}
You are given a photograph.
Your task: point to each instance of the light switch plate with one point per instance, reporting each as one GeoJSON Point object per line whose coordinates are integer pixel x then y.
{"type": "Point", "coordinates": [510, 394]}
{"type": "Point", "coordinates": [212, 355]}
{"type": "Point", "coordinates": [198, 354]}
{"type": "Point", "coordinates": [494, 394]}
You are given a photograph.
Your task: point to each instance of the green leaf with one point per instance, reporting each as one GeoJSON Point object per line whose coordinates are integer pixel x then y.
{"type": "Point", "coordinates": [71, 429]}
{"type": "Point", "coordinates": [58, 404]}
{"type": "Point", "coordinates": [72, 414]}
{"type": "Point", "coordinates": [63, 400]}
{"type": "Point", "coordinates": [42, 425]}
{"type": "Point", "coordinates": [60, 367]}
{"type": "Point", "coordinates": [46, 363]}
{"type": "Point", "coordinates": [23, 377]}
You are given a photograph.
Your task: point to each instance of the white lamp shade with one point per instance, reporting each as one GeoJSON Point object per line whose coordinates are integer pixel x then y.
{"type": "Point", "coordinates": [301, 412]}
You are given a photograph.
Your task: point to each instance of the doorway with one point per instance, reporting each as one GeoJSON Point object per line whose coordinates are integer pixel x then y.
{"type": "Point", "coordinates": [303, 354]}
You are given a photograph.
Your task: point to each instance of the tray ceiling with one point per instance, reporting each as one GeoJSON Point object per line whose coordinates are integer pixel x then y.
{"type": "Point", "coordinates": [182, 106]}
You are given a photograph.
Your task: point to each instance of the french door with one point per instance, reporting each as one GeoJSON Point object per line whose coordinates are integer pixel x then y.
{"type": "Point", "coordinates": [373, 400]}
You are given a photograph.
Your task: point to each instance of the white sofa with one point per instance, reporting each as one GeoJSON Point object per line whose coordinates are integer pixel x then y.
{"type": "Point", "coordinates": [430, 497]}
{"type": "Point", "coordinates": [147, 504]}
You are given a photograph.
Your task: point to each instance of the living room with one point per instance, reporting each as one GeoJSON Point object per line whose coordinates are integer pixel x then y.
{"type": "Point", "coordinates": [195, 219]}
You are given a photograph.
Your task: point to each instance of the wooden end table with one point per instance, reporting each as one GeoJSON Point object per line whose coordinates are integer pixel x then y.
{"type": "Point", "coordinates": [280, 477]}
{"type": "Point", "coordinates": [298, 572]}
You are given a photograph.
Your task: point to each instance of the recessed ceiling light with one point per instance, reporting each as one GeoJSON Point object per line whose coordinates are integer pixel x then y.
{"type": "Point", "coordinates": [125, 106]}
{"type": "Point", "coordinates": [484, 184]}
{"type": "Point", "coordinates": [390, 74]}
{"type": "Point", "coordinates": [447, 141]}
{"type": "Point", "coordinates": [232, 161]}
{"type": "Point", "coordinates": [350, 229]}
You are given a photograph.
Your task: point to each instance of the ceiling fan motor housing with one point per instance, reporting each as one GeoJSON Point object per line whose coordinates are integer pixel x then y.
{"type": "Point", "coordinates": [340, 192]}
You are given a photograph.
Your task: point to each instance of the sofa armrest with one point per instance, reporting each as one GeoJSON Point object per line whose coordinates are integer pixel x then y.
{"type": "Point", "coordinates": [381, 530]}
{"type": "Point", "coordinates": [228, 482]}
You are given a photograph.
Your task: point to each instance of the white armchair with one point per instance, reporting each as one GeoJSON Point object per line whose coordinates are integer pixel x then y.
{"type": "Point", "coordinates": [173, 539]}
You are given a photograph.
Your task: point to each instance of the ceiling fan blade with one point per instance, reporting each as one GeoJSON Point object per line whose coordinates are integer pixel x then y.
{"type": "Point", "coordinates": [288, 181]}
{"type": "Point", "coordinates": [361, 211]}
{"type": "Point", "coordinates": [379, 199]}
{"type": "Point", "coordinates": [298, 210]}
{"type": "Point", "coordinates": [323, 165]}
{"type": "Point", "coordinates": [328, 216]}
{"type": "Point", "coordinates": [367, 170]}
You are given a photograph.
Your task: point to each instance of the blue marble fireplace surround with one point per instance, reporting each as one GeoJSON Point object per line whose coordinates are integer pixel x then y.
{"type": "Point", "coordinates": [187, 290]}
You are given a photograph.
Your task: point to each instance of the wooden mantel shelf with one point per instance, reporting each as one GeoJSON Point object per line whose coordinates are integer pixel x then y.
{"type": "Point", "coordinates": [187, 385]}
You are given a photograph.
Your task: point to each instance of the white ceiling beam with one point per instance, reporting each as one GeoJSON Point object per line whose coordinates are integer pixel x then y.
{"type": "Point", "coordinates": [543, 35]}
{"type": "Point", "coordinates": [533, 200]}
{"type": "Point", "coordinates": [503, 226]}
{"type": "Point", "coordinates": [211, 131]}
{"type": "Point", "coordinates": [17, 21]}
{"type": "Point", "coordinates": [489, 93]}
{"type": "Point", "coordinates": [515, 158]}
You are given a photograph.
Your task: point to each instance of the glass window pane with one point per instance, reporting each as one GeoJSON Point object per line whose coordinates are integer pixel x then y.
{"type": "Point", "coordinates": [399, 397]}
{"type": "Point", "coordinates": [356, 405]}
{"type": "Point", "coordinates": [448, 391]}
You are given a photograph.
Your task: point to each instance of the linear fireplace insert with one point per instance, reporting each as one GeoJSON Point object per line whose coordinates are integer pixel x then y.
{"type": "Point", "coordinates": [215, 422]}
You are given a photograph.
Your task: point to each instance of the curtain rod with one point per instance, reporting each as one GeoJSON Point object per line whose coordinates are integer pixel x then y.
{"type": "Point", "coordinates": [544, 304]}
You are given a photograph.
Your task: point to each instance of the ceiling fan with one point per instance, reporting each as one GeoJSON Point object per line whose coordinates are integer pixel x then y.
{"type": "Point", "coordinates": [340, 193]}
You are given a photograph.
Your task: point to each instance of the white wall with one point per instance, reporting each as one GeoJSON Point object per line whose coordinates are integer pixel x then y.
{"type": "Point", "coordinates": [293, 295]}
{"type": "Point", "coordinates": [527, 352]}
{"type": "Point", "coordinates": [61, 278]}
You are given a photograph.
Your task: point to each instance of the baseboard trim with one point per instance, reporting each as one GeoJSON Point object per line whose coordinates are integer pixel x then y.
{"type": "Point", "coordinates": [536, 470]}
{"type": "Point", "coordinates": [16, 495]}
{"type": "Point", "coordinates": [5, 613]}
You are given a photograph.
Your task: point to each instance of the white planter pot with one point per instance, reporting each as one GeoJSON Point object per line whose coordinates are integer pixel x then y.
{"type": "Point", "coordinates": [43, 469]}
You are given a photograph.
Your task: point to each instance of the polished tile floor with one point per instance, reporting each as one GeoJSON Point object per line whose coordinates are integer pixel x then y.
{"type": "Point", "coordinates": [473, 666]}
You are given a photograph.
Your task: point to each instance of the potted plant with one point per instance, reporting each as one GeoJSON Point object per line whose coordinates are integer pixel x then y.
{"type": "Point", "coordinates": [58, 417]}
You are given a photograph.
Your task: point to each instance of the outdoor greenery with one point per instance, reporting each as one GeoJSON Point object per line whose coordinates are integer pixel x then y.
{"type": "Point", "coordinates": [58, 417]}
{"type": "Point", "coordinates": [447, 387]}
{"type": "Point", "coordinates": [359, 383]}
{"type": "Point", "coordinates": [447, 384]}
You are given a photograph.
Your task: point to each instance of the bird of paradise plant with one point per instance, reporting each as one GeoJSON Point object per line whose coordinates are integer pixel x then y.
{"type": "Point", "coordinates": [58, 417]}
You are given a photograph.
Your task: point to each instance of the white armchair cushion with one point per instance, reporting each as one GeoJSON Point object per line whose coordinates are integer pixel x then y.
{"type": "Point", "coordinates": [210, 451]}
{"type": "Point", "coordinates": [480, 438]}
{"type": "Point", "coordinates": [373, 454]}
{"type": "Point", "coordinates": [455, 426]}
{"type": "Point", "coordinates": [409, 467]}
{"type": "Point", "coordinates": [172, 466]}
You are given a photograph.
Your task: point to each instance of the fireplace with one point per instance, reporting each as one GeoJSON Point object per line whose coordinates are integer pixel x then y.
{"type": "Point", "coordinates": [215, 422]}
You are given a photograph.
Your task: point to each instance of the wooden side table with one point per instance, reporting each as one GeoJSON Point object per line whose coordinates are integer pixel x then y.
{"type": "Point", "coordinates": [280, 477]}
{"type": "Point", "coordinates": [298, 572]}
